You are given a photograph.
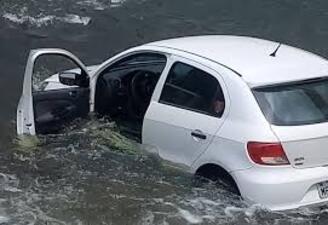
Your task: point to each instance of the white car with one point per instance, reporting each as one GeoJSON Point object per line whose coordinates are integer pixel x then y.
{"type": "Point", "coordinates": [251, 112]}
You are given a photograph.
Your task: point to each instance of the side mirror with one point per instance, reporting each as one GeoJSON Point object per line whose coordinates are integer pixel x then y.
{"type": "Point", "coordinates": [70, 78]}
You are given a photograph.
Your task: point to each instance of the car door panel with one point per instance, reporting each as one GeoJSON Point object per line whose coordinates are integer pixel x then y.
{"type": "Point", "coordinates": [181, 134]}
{"type": "Point", "coordinates": [54, 109]}
{"type": "Point", "coordinates": [170, 129]}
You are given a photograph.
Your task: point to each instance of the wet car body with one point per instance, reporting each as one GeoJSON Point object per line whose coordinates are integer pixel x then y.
{"type": "Point", "coordinates": [168, 88]}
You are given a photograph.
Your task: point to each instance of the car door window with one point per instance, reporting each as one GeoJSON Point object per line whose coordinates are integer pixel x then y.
{"type": "Point", "coordinates": [46, 67]}
{"type": "Point", "coordinates": [147, 61]}
{"type": "Point", "coordinates": [140, 58]}
{"type": "Point", "coordinates": [191, 88]}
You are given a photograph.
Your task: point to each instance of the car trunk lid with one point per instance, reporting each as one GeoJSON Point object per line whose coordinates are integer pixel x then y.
{"type": "Point", "coordinates": [305, 146]}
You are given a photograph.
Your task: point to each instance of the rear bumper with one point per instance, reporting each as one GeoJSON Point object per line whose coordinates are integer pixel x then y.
{"type": "Point", "coordinates": [281, 188]}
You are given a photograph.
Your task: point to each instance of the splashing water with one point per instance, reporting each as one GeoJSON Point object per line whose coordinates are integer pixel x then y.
{"type": "Point", "coordinates": [53, 12]}
{"type": "Point", "coordinates": [93, 174]}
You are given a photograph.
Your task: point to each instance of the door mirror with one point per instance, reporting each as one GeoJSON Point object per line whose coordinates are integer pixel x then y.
{"type": "Point", "coordinates": [71, 78]}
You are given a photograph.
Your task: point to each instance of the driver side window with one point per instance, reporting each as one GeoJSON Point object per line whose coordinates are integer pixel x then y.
{"type": "Point", "coordinates": [141, 61]}
{"type": "Point", "coordinates": [193, 89]}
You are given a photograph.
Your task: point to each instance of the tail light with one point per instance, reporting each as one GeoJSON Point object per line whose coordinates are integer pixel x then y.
{"type": "Point", "coordinates": [267, 153]}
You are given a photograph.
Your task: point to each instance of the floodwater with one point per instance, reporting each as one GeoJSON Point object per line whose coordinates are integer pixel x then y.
{"type": "Point", "coordinates": [90, 173]}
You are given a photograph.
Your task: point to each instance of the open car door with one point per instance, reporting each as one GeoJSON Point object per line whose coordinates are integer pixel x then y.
{"type": "Point", "coordinates": [55, 92]}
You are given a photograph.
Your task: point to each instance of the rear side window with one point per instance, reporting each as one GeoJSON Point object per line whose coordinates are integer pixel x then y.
{"type": "Point", "coordinates": [193, 89]}
{"type": "Point", "coordinates": [298, 103]}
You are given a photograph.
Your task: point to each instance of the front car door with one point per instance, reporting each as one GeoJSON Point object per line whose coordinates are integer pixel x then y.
{"type": "Point", "coordinates": [46, 105]}
{"type": "Point", "coordinates": [190, 110]}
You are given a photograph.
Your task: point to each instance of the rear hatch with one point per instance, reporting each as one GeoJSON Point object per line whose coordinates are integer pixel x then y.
{"type": "Point", "coordinates": [305, 146]}
{"type": "Point", "coordinates": [298, 113]}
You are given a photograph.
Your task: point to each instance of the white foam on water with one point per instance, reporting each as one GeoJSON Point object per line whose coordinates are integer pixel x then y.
{"type": "Point", "coordinates": [75, 19]}
{"type": "Point", "coordinates": [217, 207]}
{"type": "Point", "coordinates": [96, 5]}
{"type": "Point", "coordinates": [21, 14]}
{"type": "Point", "coordinates": [189, 217]}
{"type": "Point", "coordinates": [101, 5]}
{"type": "Point", "coordinates": [12, 189]}
{"type": "Point", "coordinates": [116, 3]}
{"type": "Point", "coordinates": [47, 20]}
{"type": "Point", "coordinates": [249, 212]}
{"type": "Point", "coordinates": [20, 19]}
{"type": "Point", "coordinates": [9, 183]}
{"type": "Point", "coordinates": [4, 219]}
{"type": "Point", "coordinates": [148, 219]}
{"type": "Point", "coordinates": [204, 201]}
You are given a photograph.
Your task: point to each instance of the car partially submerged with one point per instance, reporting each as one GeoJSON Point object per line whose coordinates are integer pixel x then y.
{"type": "Point", "coordinates": [251, 112]}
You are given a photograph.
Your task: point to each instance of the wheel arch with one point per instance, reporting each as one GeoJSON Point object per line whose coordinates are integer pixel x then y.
{"type": "Point", "coordinates": [213, 171]}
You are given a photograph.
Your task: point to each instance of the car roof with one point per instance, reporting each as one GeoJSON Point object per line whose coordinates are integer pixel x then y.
{"type": "Point", "coordinates": [250, 57]}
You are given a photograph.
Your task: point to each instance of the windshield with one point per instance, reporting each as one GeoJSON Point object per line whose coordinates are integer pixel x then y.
{"type": "Point", "coordinates": [296, 103]}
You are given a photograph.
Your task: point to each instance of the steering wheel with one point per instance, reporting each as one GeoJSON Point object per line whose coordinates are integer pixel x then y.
{"type": "Point", "coordinates": [142, 86]}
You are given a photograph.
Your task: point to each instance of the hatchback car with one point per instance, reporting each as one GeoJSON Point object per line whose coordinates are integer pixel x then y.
{"type": "Point", "coordinates": [248, 111]}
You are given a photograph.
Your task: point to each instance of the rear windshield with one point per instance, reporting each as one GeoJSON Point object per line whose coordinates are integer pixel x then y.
{"type": "Point", "coordinates": [298, 103]}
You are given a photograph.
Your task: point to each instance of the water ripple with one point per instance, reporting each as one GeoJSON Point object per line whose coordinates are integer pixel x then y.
{"type": "Point", "coordinates": [39, 14]}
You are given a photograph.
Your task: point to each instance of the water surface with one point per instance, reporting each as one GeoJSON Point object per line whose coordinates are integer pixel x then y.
{"type": "Point", "coordinates": [90, 174]}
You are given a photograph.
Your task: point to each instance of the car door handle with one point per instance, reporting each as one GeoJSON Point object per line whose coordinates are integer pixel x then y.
{"type": "Point", "coordinates": [198, 134]}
